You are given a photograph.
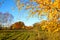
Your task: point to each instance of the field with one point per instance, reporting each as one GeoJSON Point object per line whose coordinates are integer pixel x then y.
{"type": "Point", "coordinates": [17, 35]}
{"type": "Point", "coordinates": [28, 35]}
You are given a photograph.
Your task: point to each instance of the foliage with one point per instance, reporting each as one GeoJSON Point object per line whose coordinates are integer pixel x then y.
{"type": "Point", "coordinates": [47, 8]}
{"type": "Point", "coordinates": [18, 25]}
{"type": "Point", "coordinates": [47, 30]}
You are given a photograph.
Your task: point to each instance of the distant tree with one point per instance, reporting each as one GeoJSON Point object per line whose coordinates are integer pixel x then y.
{"type": "Point", "coordinates": [18, 25]}
{"type": "Point", "coordinates": [0, 27]}
{"type": "Point", "coordinates": [28, 27]}
{"type": "Point", "coordinates": [6, 18]}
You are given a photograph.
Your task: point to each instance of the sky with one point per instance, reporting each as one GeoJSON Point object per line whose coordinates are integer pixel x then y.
{"type": "Point", "coordinates": [21, 15]}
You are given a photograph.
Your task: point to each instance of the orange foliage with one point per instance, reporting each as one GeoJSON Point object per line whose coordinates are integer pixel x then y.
{"type": "Point", "coordinates": [17, 25]}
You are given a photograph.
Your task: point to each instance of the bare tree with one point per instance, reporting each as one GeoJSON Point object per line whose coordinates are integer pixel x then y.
{"type": "Point", "coordinates": [6, 18]}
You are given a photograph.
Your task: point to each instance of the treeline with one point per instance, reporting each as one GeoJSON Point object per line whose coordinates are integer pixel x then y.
{"type": "Point", "coordinates": [43, 25]}
{"type": "Point", "coordinates": [16, 26]}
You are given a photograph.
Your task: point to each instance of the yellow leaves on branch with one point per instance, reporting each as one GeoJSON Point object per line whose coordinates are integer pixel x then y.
{"type": "Point", "coordinates": [45, 6]}
{"type": "Point", "coordinates": [49, 7]}
{"type": "Point", "coordinates": [53, 10]}
{"type": "Point", "coordinates": [19, 5]}
{"type": "Point", "coordinates": [29, 6]}
{"type": "Point", "coordinates": [49, 3]}
{"type": "Point", "coordinates": [57, 3]}
{"type": "Point", "coordinates": [51, 26]}
{"type": "Point", "coordinates": [32, 13]}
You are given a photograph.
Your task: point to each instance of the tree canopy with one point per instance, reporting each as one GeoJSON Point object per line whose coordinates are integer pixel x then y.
{"type": "Point", "coordinates": [47, 8]}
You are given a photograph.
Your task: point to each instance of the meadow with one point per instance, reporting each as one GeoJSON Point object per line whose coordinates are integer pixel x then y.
{"type": "Point", "coordinates": [17, 35]}
{"type": "Point", "coordinates": [27, 35]}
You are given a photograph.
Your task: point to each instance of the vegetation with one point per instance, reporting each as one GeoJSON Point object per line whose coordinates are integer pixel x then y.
{"type": "Point", "coordinates": [17, 25]}
{"type": "Point", "coordinates": [28, 35]}
{"type": "Point", "coordinates": [39, 31]}
{"type": "Point", "coordinates": [47, 8]}
{"type": "Point", "coordinates": [48, 29]}
{"type": "Point", "coordinates": [17, 35]}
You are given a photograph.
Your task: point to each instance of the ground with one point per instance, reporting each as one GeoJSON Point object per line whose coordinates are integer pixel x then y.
{"type": "Point", "coordinates": [17, 35]}
{"type": "Point", "coordinates": [28, 35]}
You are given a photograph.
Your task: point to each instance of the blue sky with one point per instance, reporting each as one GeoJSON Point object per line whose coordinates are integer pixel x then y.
{"type": "Point", "coordinates": [21, 15]}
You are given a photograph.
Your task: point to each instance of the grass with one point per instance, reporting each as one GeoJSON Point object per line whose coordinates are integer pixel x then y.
{"type": "Point", "coordinates": [16, 35]}
{"type": "Point", "coordinates": [27, 35]}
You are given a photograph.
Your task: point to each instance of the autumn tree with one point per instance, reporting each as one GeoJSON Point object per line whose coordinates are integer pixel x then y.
{"type": "Point", "coordinates": [47, 8]}
{"type": "Point", "coordinates": [18, 25]}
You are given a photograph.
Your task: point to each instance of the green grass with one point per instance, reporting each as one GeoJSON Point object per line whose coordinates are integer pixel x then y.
{"type": "Point", "coordinates": [16, 35]}
{"type": "Point", "coordinates": [27, 35]}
